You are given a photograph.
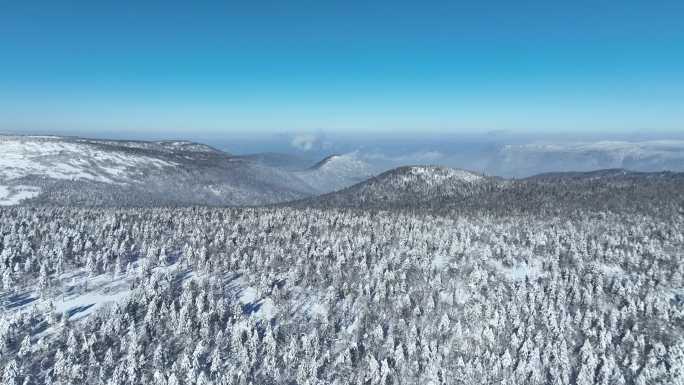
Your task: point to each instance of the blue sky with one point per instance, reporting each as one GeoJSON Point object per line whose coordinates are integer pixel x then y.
{"type": "Point", "coordinates": [221, 69]}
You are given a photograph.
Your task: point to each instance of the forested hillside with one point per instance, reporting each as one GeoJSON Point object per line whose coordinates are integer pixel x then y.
{"type": "Point", "coordinates": [451, 192]}
{"type": "Point", "coordinates": [303, 296]}
{"type": "Point", "coordinates": [402, 187]}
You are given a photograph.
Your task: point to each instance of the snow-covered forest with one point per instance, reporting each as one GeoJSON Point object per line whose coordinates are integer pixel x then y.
{"type": "Point", "coordinates": [339, 296]}
{"type": "Point", "coordinates": [341, 192]}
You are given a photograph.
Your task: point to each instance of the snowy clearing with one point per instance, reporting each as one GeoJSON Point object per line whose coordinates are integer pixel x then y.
{"type": "Point", "coordinates": [518, 272]}
{"type": "Point", "coordinates": [440, 261]}
{"type": "Point", "coordinates": [12, 195]}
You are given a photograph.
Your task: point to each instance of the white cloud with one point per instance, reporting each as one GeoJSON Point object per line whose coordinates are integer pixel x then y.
{"type": "Point", "coordinates": [304, 142]}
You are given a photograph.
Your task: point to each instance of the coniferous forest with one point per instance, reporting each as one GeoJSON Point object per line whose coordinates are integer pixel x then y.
{"type": "Point", "coordinates": [341, 192]}
{"type": "Point", "coordinates": [490, 294]}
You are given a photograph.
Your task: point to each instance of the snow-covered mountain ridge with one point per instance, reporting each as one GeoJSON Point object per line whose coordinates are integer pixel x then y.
{"type": "Point", "coordinates": [57, 158]}
{"type": "Point", "coordinates": [445, 191]}
{"type": "Point", "coordinates": [336, 172]}
{"type": "Point", "coordinates": [405, 186]}
{"type": "Point", "coordinates": [75, 171]}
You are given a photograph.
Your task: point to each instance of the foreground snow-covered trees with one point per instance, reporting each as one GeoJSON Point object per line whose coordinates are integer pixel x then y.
{"type": "Point", "coordinates": [301, 296]}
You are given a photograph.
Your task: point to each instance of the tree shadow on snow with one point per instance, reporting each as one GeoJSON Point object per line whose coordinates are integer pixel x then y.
{"type": "Point", "coordinates": [71, 312]}
{"type": "Point", "coordinates": [17, 300]}
{"type": "Point", "coordinates": [251, 308]}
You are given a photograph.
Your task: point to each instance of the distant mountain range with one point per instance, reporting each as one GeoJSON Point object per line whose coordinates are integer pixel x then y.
{"type": "Point", "coordinates": [523, 160]}
{"type": "Point", "coordinates": [66, 171]}
{"type": "Point", "coordinates": [75, 171]}
{"type": "Point", "coordinates": [445, 191]}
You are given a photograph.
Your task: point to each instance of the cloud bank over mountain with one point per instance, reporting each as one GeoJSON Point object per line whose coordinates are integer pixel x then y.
{"type": "Point", "coordinates": [526, 159]}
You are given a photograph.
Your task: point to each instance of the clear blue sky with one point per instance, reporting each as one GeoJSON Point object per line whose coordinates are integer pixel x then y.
{"type": "Point", "coordinates": [217, 68]}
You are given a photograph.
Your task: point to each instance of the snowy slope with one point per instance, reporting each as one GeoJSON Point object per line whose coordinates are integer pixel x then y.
{"type": "Point", "coordinates": [57, 158]}
{"type": "Point", "coordinates": [13, 195]}
{"type": "Point", "coordinates": [75, 171]}
{"type": "Point", "coordinates": [336, 172]}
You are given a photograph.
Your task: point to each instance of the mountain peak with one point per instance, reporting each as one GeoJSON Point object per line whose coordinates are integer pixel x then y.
{"type": "Point", "coordinates": [335, 160]}
{"type": "Point", "coordinates": [324, 161]}
{"type": "Point", "coordinates": [435, 174]}
{"type": "Point", "coordinates": [337, 171]}
{"type": "Point", "coordinates": [405, 185]}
